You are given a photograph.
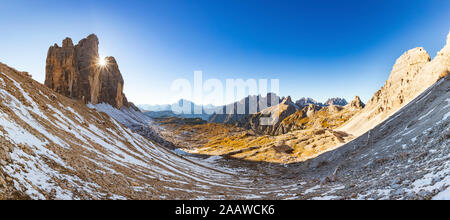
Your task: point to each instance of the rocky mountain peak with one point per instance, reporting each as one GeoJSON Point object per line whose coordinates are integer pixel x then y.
{"type": "Point", "coordinates": [357, 103]}
{"type": "Point", "coordinates": [408, 65]}
{"type": "Point", "coordinates": [304, 102]}
{"type": "Point", "coordinates": [75, 71]}
{"type": "Point", "coordinates": [412, 74]}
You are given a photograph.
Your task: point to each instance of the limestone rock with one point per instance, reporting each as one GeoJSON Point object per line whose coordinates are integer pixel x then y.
{"type": "Point", "coordinates": [312, 109]}
{"type": "Point", "coordinates": [74, 71]}
{"type": "Point", "coordinates": [412, 74]}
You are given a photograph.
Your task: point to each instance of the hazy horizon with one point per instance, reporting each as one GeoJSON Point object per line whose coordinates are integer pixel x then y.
{"type": "Point", "coordinates": [319, 50]}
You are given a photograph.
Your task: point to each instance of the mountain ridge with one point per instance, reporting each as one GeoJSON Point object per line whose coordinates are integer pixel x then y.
{"type": "Point", "coordinates": [78, 72]}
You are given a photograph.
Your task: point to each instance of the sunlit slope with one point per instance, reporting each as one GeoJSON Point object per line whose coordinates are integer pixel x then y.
{"type": "Point", "coordinates": [55, 148]}
{"type": "Point", "coordinates": [413, 73]}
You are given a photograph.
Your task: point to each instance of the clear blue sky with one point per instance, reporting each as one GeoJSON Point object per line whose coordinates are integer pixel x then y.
{"type": "Point", "coordinates": [318, 49]}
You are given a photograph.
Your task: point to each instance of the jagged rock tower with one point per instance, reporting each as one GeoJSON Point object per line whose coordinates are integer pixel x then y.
{"type": "Point", "coordinates": [75, 71]}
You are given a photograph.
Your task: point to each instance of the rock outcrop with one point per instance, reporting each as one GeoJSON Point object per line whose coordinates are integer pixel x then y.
{"type": "Point", "coordinates": [275, 115]}
{"type": "Point", "coordinates": [412, 74]}
{"type": "Point", "coordinates": [236, 112]}
{"type": "Point", "coordinates": [76, 72]}
{"type": "Point", "coordinates": [356, 103]}
{"type": "Point", "coordinates": [288, 116]}
{"type": "Point", "coordinates": [316, 118]}
{"type": "Point", "coordinates": [304, 102]}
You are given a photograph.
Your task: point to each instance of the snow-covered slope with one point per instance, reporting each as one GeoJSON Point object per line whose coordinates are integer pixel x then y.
{"type": "Point", "coordinates": [127, 116]}
{"type": "Point", "coordinates": [137, 121]}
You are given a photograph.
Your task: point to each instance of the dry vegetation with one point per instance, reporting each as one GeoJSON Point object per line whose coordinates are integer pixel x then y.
{"type": "Point", "coordinates": [310, 137]}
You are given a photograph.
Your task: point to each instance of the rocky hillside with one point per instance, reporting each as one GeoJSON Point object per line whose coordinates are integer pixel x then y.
{"type": "Point", "coordinates": [404, 157]}
{"type": "Point", "coordinates": [77, 71]}
{"type": "Point", "coordinates": [336, 101]}
{"type": "Point", "coordinates": [233, 113]}
{"type": "Point", "coordinates": [288, 116]}
{"type": "Point", "coordinates": [56, 148]}
{"type": "Point", "coordinates": [412, 74]}
{"type": "Point", "coordinates": [316, 117]}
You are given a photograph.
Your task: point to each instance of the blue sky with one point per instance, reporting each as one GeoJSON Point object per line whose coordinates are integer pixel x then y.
{"type": "Point", "coordinates": [318, 49]}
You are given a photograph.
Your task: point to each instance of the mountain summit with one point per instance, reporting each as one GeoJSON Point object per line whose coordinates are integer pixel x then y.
{"type": "Point", "coordinates": [357, 103]}
{"type": "Point", "coordinates": [336, 101]}
{"type": "Point", "coordinates": [78, 72]}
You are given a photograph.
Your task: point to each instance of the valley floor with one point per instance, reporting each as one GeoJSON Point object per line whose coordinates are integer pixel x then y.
{"type": "Point", "coordinates": [199, 137]}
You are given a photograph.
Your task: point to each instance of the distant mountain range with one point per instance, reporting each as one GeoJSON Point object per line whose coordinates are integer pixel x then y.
{"type": "Point", "coordinates": [228, 113]}
{"type": "Point", "coordinates": [54, 146]}
{"type": "Point", "coordinates": [169, 107]}
{"type": "Point", "coordinates": [303, 102]}
{"type": "Point", "coordinates": [182, 109]}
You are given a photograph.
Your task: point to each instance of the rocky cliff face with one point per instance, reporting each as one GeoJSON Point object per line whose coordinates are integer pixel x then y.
{"type": "Point", "coordinates": [236, 112]}
{"type": "Point", "coordinates": [75, 71]}
{"type": "Point", "coordinates": [411, 75]}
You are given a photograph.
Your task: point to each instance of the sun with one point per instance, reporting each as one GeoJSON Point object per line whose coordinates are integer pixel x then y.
{"type": "Point", "coordinates": [102, 62]}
